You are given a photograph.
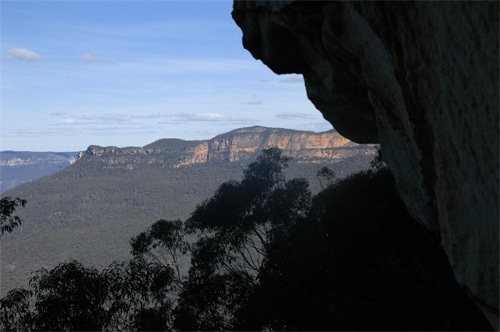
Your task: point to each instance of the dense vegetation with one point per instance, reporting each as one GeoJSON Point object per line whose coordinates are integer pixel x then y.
{"type": "Point", "coordinates": [265, 255]}
{"type": "Point", "coordinates": [88, 211]}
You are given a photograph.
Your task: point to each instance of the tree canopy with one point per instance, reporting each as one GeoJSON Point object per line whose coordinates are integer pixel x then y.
{"type": "Point", "coordinates": [8, 221]}
{"type": "Point", "coordinates": [263, 254]}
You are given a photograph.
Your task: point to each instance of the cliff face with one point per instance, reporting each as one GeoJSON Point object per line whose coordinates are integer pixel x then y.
{"type": "Point", "coordinates": [238, 145]}
{"type": "Point", "coordinates": [19, 167]}
{"type": "Point", "coordinates": [420, 78]}
{"type": "Point", "coordinates": [11, 158]}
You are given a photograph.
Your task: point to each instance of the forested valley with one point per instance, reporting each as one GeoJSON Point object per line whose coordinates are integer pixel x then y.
{"type": "Point", "coordinates": [265, 254]}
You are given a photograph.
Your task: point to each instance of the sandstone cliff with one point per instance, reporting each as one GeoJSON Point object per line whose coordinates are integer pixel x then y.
{"type": "Point", "coordinates": [420, 78]}
{"type": "Point", "coordinates": [12, 158]}
{"type": "Point", "coordinates": [237, 145]}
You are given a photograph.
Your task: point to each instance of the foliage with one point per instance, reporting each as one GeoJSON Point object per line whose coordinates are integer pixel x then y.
{"type": "Point", "coordinates": [15, 310]}
{"type": "Point", "coordinates": [127, 296]}
{"type": "Point", "coordinates": [265, 255]}
{"type": "Point", "coordinates": [378, 162]}
{"type": "Point", "coordinates": [163, 243]}
{"type": "Point", "coordinates": [69, 297]}
{"type": "Point", "coordinates": [326, 177]}
{"type": "Point", "coordinates": [139, 295]}
{"type": "Point", "coordinates": [236, 228]}
{"type": "Point", "coordinates": [8, 206]}
{"type": "Point", "coordinates": [89, 212]}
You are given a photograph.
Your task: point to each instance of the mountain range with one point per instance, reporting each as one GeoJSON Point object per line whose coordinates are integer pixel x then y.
{"type": "Point", "coordinates": [89, 210]}
{"type": "Point", "coordinates": [18, 167]}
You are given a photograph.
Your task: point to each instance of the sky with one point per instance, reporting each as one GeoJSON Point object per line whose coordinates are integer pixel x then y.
{"type": "Point", "coordinates": [127, 73]}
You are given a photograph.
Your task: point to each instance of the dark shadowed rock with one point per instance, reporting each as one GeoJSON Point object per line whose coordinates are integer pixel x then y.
{"type": "Point", "coordinates": [420, 78]}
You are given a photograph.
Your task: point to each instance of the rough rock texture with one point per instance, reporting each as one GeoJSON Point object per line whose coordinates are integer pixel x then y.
{"type": "Point", "coordinates": [237, 145]}
{"type": "Point", "coordinates": [420, 78]}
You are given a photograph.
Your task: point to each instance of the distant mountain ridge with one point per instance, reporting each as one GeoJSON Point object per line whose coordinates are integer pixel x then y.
{"type": "Point", "coordinates": [237, 145]}
{"type": "Point", "coordinates": [89, 210]}
{"type": "Point", "coordinates": [17, 167]}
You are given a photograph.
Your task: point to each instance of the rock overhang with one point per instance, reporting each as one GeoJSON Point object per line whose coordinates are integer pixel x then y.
{"type": "Point", "coordinates": [420, 78]}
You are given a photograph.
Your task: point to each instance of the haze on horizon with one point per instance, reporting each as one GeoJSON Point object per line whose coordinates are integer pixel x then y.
{"type": "Point", "coordinates": [128, 73]}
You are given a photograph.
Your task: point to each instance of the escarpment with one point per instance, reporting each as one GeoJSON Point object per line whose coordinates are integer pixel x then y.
{"type": "Point", "coordinates": [420, 78]}
{"type": "Point", "coordinates": [238, 145]}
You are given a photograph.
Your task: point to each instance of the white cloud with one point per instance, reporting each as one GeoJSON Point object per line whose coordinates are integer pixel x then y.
{"type": "Point", "coordinates": [293, 79]}
{"type": "Point", "coordinates": [23, 54]}
{"type": "Point", "coordinates": [103, 118]}
{"type": "Point", "coordinates": [293, 115]}
{"type": "Point", "coordinates": [204, 117]}
{"type": "Point", "coordinates": [146, 116]}
{"type": "Point", "coordinates": [91, 57]}
{"type": "Point", "coordinates": [208, 117]}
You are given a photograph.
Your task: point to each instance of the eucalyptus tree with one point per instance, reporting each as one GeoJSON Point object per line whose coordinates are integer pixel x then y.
{"type": "Point", "coordinates": [8, 221]}
{"type": "Point", "coordinates": [235, 229]}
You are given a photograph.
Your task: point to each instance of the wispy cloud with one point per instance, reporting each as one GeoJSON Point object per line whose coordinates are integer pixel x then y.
{"type": "Point", "coordinates": [293, 79]}
{"type": "Point", "coordinates": [293, 115]}
{"type": "Point", "coordinates": [91, 57]}
{"type": "Point", "coordinates": [254, 102]}
{"type": "Point", "coordinates": [183, 66]}
{"type": "Point", "coordinates": [94, 57]}
{"type": "Point", "coordinates": [23, 54]}
{"type": "Point", "coordinates": [204, 117]}
{"type": "Point", "coordinates": [103, 118]}
{"type": "Point", "coordinates": [212, 117]}
{"type": "Point", "coordinates": [57, 113]}
{"type": "Point", "coordinates": [147, 116]}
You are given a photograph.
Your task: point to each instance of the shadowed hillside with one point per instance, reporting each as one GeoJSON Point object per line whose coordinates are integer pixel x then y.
{"type": "Point", "coordinates": [90, 210]}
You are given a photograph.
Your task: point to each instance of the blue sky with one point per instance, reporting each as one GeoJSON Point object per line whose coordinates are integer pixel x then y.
{"type": "Point", "coordinates": [127, 73]}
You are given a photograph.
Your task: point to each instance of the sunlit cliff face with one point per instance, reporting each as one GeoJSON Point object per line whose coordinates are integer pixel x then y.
{"type": "Point", "coordinates": [420, 78]}
{"type": "Point", "coordinates": [238, 145]}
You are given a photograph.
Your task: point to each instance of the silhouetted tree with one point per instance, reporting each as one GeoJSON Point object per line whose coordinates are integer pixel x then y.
{"type": "Point", "coordinates": [326, 177]}
{"type": "Point", "coordinates": [236, 228]}
{"type": "Point", "coordinates": [133, 295]}
{"type": "Point", "coordinates": [164, 243]}
{"type": "Point", "coordinates": [267, 257]}
{"type": "Point", "coordinates": [16, 311]}
{"type": "Point", "coordinates": [68, 298]}
{"type": "Point", "coordinates": [358, 261]}
{"type": "Point", "coordinates": [8, 206]}
{"type": "Point", "coordinates": [140, 295]}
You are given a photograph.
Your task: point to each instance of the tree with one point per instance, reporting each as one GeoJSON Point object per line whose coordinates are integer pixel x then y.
{"type": "Point", "coordinates": [164, 243]}
{"type": "Point", "coordinates": [15, 311]}
{"type": "Point", "coordinates": [140, 295]}
{"type": "Point", "coordinates": [358, 261]}
{"type": "Point", "coordinates": [133, 295]}
{"type": "Point", "coordinates": [378, 162]}
{"type": "Point", "coordinates": [8, 221]}
{"type": "Point", "coordinates": [267, 257]}
{"type": "Point", "coordinates": [236, 228]}
{"type": "Point", "coordinates": [69, 297]}
{"type": "Point", "coordinates": [327, 175]}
